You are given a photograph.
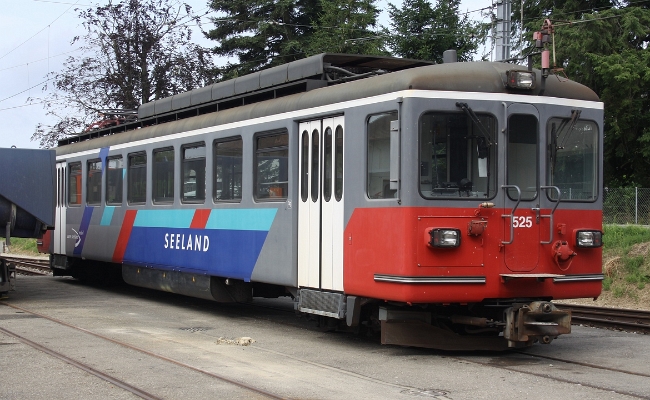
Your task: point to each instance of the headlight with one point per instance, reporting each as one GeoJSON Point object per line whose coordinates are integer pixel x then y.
{"type": "Point", "coordinates": [589, 238]}
{"type": "Point", "coordinates": [444, 237]}
{"type": "Point", "coordinates": [520, 79]}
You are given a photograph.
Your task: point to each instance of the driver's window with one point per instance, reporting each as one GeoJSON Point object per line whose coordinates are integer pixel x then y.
{"type": "Point", "coordinates": [457, 157]}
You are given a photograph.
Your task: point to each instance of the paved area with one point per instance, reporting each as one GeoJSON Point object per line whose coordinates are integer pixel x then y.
{"type": "Point", "coordinates": [290, 356]}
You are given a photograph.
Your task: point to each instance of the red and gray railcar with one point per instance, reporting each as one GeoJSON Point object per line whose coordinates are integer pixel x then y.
{"type": "Point", "coordinates": [446, 205]}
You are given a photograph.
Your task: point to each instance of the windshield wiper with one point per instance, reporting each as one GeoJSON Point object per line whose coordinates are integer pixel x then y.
{"type": "Point", "coordinates": [575, 114]}
{"type": "Point", "coordinates": [565, 126]}
{"type": "Point", "coordinates": [470, 113]}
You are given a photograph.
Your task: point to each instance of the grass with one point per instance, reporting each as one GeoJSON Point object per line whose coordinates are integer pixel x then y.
{"type": "Point", "coordinates": [620, 238]}
{"type": "Point", "coordinates": [627, 265]}
{"type": "Point", "coordinates": [23, 246]}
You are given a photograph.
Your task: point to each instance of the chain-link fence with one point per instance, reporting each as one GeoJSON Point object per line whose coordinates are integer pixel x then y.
{"type": "Point", "coordinates": [626, 206]}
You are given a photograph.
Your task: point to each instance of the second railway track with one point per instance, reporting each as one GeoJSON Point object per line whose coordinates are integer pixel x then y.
{"type": "Point", "coordinates": [613, 318]}
{"type": "Point", "coordinates": [26, 265]}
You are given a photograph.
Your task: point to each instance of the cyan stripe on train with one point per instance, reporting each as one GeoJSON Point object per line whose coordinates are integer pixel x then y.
{"type": "Point", "coordinates": [232, 219]}
{"type": "Point", "coordinates": [228, 246]}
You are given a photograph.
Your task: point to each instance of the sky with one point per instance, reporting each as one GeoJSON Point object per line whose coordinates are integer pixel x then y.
{"type": "Point", "coordinates": [36, 40]}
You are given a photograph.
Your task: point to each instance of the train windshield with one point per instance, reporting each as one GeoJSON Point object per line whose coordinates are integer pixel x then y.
{"type": "Point", "coordinates": [456, 160]}
{"type": "Point", "coordinates": [573, 158]}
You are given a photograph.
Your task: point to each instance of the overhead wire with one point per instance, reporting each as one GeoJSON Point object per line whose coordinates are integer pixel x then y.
{"type": "Point", "coordinates": [40, 59]}
{"type": "Point", "coordinates": [34, 35]}
{"type": "Point", "coordinates": [26, 90]}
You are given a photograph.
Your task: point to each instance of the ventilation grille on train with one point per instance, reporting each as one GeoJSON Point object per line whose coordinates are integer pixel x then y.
{"type": "Point", "coordinates": [322, 303]}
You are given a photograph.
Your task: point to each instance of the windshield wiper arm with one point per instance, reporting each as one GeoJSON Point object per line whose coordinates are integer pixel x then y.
{"type": "Point", "coordinates": [575, 114]}
{"type": "Point", "coordinates": [470, 113]}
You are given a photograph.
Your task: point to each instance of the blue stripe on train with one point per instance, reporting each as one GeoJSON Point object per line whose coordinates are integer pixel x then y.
{"type": "Point", "coordinates": [227, 253]}
{"type": "Point", "coordinates": [83, 230]}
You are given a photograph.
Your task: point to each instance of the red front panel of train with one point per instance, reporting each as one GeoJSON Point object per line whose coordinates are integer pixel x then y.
{"type": "Point", "coordinates": [387, 255]}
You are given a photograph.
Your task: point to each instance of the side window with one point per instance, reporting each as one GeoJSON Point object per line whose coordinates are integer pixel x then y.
{"type": "Point", "coordinates": [163, 175]}
{"type": "Point", "coordinates": [94, 183]}
{"type": "Point", "coordinates": [227, 170]}
{"type": "Point", "coordinates": [114, 180]}
{"type": "Point", "coordinates": [193, 173]}
{"type": "Point", "coordinates": [137, 179]}
{"type": "Point", "coordinates": [272, 167]}
{"type": "Point", "coordinates": [378, 150]}
{"type": "Point", "coordinates": [74, 184]}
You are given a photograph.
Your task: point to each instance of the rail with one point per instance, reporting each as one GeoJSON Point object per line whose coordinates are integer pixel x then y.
{"type": "Point", "coordinates": [26, 265]}
{"type": "Point", "coordinates": [613, 318]}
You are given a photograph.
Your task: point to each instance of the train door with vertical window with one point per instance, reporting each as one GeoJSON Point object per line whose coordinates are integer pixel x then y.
{"type": "Point", "coordinates": [320, 208]}
{"type": "Point", "coordinates": [522, 189]}
{"type": "Point", "coordinates": [59, 218]}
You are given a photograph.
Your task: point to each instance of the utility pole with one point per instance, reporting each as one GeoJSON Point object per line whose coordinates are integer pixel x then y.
{"type": "Point", "coordinates": [504, 23]}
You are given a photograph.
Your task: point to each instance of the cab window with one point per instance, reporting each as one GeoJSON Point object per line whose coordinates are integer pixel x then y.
{"type": "Point", "coordinates": [457, 160]}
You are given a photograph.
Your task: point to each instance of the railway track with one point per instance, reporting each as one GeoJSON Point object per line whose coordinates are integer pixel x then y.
{"type": "Point", "coordinates": [612, 318]}
{"type": "Point", "coordinates": [602, 317]}
{"type": "Point", "coordinates": [26, 265]}
{"type": "Point", "coordinates": [113, 379]}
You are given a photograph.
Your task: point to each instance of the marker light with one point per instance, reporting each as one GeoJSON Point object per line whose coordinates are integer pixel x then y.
{"type": "Point", "coordinates": [589, 238]}
{"type": "Point", "coordinates": [520, 79]}
{"type": "Point", "coordinates": [444, 237]}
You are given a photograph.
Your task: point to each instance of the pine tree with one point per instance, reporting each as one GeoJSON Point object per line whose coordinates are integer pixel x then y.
{"type": "Point", "coordinates": [347, 26]}
{"type": "Point", "coordinates": [261, 33]}
{"type": "Point", "coordinates": [422, 31]}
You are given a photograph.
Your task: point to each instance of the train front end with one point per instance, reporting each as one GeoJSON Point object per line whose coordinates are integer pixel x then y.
{"type": "Point", "coordinates": [487, 209]}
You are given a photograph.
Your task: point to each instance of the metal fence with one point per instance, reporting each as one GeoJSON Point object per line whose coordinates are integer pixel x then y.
{"type": "Point", "coordinates": [626, 206]}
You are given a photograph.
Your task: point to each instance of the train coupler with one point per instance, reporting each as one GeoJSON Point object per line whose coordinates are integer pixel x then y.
{"type": "Point", "coordinates": [539, 321]}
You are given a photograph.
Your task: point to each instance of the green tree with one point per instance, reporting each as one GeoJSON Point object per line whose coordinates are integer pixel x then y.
{"type": "Point", "coordinates": [535, 11]}
{"type": "Point", "coordinates": [347, 26]}
{"type": "Point", "coordinates": [606, 48]}
{"type": "Point", "coordinates": [134, 51]}
{"type": "Point", "coordinates": [261, 33]}
{"type": "Point", "coordinates": [423, 31]}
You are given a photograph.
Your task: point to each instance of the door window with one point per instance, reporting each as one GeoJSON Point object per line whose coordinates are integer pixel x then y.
{"type": "Point", "coordinates": [522, 156]}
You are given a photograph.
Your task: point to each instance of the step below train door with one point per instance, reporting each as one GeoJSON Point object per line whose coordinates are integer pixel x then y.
{"type": "Point", "coordinates": [522, 190]}
{"type": "Point", "coordinates": [59, 217]}
{"type": "Point", "coordinates": [320, 209]}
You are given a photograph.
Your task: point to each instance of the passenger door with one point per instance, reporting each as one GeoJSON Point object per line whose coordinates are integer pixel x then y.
{"type": "Point", "coordinates": [522, 191]}
{"type": "Point", "coordinates": [60, 212]}
{"type": "Point", "coordinates": [320, 209]}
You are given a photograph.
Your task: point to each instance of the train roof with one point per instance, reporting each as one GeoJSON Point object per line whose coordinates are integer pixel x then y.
{"type": "Point", "coordinates": [485, 77]}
